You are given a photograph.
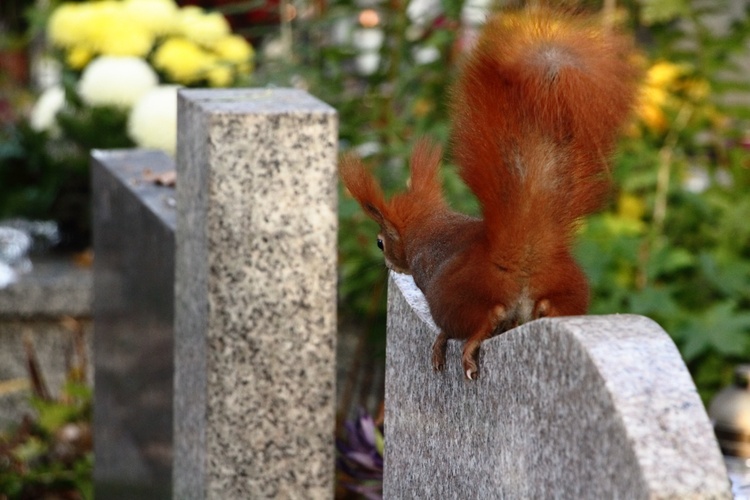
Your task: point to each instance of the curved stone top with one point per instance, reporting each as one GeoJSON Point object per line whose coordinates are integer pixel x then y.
{"type": "Point", "coordinates": [576, 407]}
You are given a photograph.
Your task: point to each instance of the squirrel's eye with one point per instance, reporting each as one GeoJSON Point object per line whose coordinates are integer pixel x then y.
{"type": "Point", "coordinates": [380, 243]}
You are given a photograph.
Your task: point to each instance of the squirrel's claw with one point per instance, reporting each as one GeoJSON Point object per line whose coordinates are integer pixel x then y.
{"type": "Point", "coordinates": [470, 370]}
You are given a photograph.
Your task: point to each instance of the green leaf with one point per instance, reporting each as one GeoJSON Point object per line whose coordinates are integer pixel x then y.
{"type": "Point", "coordinates": [79, 391]}
{"type": "Point", "coordinates": [662, 11]}
{"type": "Point", "coordinates": [379, 442]}
{"type": "Point", "coordinates": [653, 301]}
{"type": "Point", "coordinates": [30, 450]}
{"type": "Point", "coordinates": [721, 328]}
{"type": "Point", "coordinates": [728, 273]}
{"type": "Point", "coordinates": [52, 414]}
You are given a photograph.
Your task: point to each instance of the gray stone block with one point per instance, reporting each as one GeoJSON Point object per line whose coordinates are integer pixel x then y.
{"type": "Point", "coordinates": [55, 288]}
{"type": "Point", "coordinates": [134, 222]}
{"type": "Point", "coordinates": [255, 295]}
{"type": "Point", "coordinates": [579, 407]}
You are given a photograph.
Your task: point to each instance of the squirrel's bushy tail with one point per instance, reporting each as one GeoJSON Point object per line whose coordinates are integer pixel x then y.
{"type": "Point", "coordinates": [536, 113]}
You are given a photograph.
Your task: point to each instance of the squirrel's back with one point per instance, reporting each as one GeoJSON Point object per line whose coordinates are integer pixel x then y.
{"type": "Point", "coordinates": [535, 112]}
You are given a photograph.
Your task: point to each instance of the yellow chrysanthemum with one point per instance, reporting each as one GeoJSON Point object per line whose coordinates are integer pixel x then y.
{"type": "Point", "coordinates": [650, 107]}
{"type": "Point", "coordinates": [220, 76]}
{"type": "Point", "coordinates": [655, 94]}
{"type": "Point", "coordinates": [663, 74]}
{"type": "Point", "coordinates": [63, 28]}
{"type": "Point", "coordinates": [112, 30]}
{"type": "Point", "coordinates": [78, 57]}
{"type": "Point", "coordinates": [157, 16]}
{"type": "Point", "coordinates": [182, 61]}
{"type": "Point", "coordinates": [653, 117]}
{"type": "Point", "coordinates": [234, 49]}
{"type": "Point", "coordinates": [203, 28]}
{"type": "Point", "coordinates": [105, 27]}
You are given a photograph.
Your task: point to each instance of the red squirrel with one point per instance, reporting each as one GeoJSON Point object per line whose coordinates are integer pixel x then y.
{"type": "Point", "coordinates": [535, 113]}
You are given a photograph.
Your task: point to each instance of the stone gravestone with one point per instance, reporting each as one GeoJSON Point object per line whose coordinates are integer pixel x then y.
{"type": "Point", "coordinates": [37, 306]}
{"type": "Point", "coordinates": [134, 221]}
{"type": "Point", "coordinates": [580, 407]}
{"type": "Point", "coordinates": [255, 317]}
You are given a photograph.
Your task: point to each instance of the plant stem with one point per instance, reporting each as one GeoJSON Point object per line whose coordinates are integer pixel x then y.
{"type": "Point", "coordinates": [661, 198]}
{"type": "Point", "coordinates": [666, 156]}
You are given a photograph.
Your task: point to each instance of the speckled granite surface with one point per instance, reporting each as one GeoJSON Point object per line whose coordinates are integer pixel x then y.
{"type": "Point", "coordinates": [255, 295]}
{"type": "Point", "coordinates": [580, 407]}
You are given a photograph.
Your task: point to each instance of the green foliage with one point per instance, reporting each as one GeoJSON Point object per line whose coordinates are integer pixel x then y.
{"type": "Point", "coordinates": [50, 456]}
{"type": "Point", "coordinates": [681, 256]}
{"type": "Point", "coordinates": [45, 174]}
{"type": "Point", "coordinates": [27, 182]}
{"type": "Point", "coordinates": [664, 249]}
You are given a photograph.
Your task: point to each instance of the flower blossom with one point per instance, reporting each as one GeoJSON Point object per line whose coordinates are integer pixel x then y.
{"type": "Point", "coordinates": [116, 81]}
{"type": "Point", "coordinates": [158, 16]}
{"type": "Point", "coordinates": [153, 120]}
{"type": "Point", "coordinates": [46, 108]}
{"type": "Point", "coordinates": [202, 28]}
{"type": "Point", "coordinates": [183, 61]}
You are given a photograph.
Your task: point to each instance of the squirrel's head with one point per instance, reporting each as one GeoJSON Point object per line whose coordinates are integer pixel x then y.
{"type": "Point", "coordinates": [395, 215]}
{"type": "Point", "coordinates": [363, 187]}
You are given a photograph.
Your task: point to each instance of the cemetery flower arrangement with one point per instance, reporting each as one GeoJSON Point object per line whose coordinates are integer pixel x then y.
{"type": "Point", "coordinates": [187, 45]}
{"type": "Point", "coordinates": [116, 53]}
{"type": "Point", "coordinates": [120, 64]}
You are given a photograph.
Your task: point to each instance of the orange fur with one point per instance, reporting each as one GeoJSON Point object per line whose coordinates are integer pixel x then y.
{"type": "Point", "coordinates": [535, 116]}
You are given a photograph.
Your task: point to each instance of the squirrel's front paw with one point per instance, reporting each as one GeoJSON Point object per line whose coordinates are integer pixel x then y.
{"type": "Point", "coordinates": [438, 352]}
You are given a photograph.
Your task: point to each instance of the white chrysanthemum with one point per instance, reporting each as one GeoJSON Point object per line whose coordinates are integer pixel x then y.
{"type": "Point", "coordinates": [153, 120]}
{"type": "Point", "coordinates": [45, 109]}
{"type": "Point", "coordinates": [116, 80]}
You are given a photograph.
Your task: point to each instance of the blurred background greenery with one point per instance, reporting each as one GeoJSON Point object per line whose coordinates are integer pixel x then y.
{"type": "Point", "coordinates": [673, 244]}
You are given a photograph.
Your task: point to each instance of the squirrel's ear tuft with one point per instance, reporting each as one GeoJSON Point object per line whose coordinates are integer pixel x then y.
{"type": "Point", "coordinates": [425, 164]}
{"type": "Point", "coordinates": [362, 186]}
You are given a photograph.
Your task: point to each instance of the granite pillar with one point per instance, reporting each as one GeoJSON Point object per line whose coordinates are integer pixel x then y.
{"type": "Point", "coordinates": [134, 221]}
{"type": "Point", "coordinates": [579, 407]}
{"type": "Point", "coordinates": [255, 295]}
